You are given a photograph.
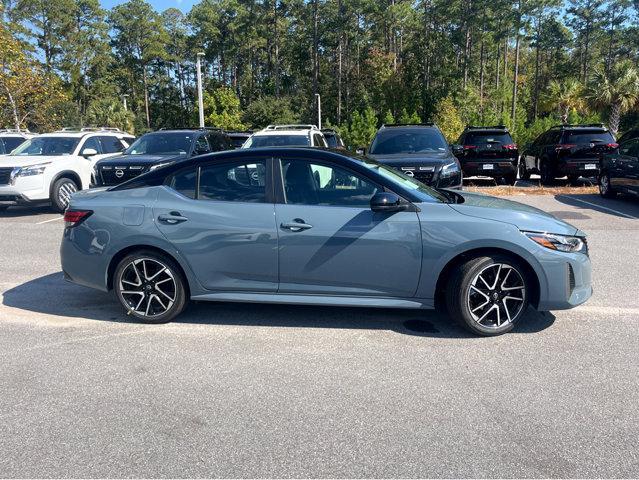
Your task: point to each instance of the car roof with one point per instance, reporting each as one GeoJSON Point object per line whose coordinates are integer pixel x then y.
{"type": "Point", "coordinates": [593, 126]}
{"type": "Point", "coordinates": [299, 132]}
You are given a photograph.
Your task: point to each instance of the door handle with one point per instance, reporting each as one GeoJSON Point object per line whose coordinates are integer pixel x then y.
{"type": "Point", "coordinates": [296, 226]}
{"type": "Point", "coordinates": [172, 218]}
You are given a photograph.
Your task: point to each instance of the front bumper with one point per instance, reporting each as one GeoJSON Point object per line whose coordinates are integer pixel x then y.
{"type": "Point", "coordinates": [24, 191]}
{"type": "Point", "coordinates": [568, 278]}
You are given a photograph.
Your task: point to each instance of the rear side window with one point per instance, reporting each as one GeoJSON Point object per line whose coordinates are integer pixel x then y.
{"type": "Point", "coordinates": [587, 136]}
{"type": "Point", "coordinates": [243, 181]}
{"type": "Point", "coordinates": [184, 182]}
{"type": "Point", "coordinates": [111, 145]}
{"type": "Point", "coordinates": [630, 148]}
{"type": "Point", "coordinates": [484, 138]}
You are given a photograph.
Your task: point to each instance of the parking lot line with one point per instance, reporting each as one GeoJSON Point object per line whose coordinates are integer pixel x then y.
{"type": "Point", "coordinates": [596, 205]}
{"type": "Point", "coordinates": [50, 220]}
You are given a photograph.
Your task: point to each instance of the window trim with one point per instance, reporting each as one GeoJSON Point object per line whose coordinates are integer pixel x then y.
{"type": "Point", "coordinates": [280, 192]}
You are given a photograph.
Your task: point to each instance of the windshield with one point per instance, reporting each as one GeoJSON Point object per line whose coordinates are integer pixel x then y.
{"type": "Point", "coordinates": [47, 146]}
{"type": "Point", "coordinates": [484, 138]}
{"type": "Point", "coordinates": [257, 141]}
{"type": "Point", "coordinates": [594, 136]}
{"type": "Point", "coordinates": [408, 141]}
{"type": "Point", "coordinates": [426, 193]}
{"type": "Point", "coordinates": [161, 144]}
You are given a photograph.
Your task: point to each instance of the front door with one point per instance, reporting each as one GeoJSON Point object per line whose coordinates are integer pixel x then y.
{"type": "Point", "coordinates": [332, 243]}
{"type": "Point", "coordinates": [223, 225]}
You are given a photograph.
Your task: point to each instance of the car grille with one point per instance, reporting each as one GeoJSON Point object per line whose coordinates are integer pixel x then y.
{"type": "Point", "coordinates": [5, 175]}
{"type": "Point", "coordinates": [423, 174]}
{"type": "Point", "coordinates": [115, 175]}
{"type": "Point", "coordinates": [571, 279]}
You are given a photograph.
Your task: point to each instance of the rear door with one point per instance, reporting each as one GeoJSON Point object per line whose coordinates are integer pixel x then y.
{"type": "Point", "coordinates": [628, 166]}
{"type": "Point", "coordinates": [223, 224]}
{"type": "Point", "coordinates": [332, 243]}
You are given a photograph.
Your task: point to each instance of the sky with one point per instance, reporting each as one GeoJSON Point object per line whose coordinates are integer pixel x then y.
{"type": "Point", "coordinates": [159, 5]}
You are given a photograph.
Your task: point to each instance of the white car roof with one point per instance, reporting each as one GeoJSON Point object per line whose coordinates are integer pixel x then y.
{"type": "Point", "coordinates": [265, 133]}
{"type": "Point", "coordinates": [84, 134]}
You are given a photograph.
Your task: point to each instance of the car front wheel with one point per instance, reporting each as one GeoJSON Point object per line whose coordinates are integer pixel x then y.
{"type": "Point", "coordinates": [605, 190]}
{"type": "Point", "coordinates": [150, 287]}
{"type": "Point", "coordinates": [61, 193]}
{"type": "Point", "coordinates": [488, 295]}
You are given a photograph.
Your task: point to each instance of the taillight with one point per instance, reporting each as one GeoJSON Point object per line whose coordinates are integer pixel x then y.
{"type": "Point", "coordinates": [470, 147]}
{"type": "Point", "coordinates": [73, 218]}
{"type": "Point", "coordinates": [612, 145]}
{"type": "Point", "coordinates": [511, 146]}
{"type": "Point", "coordinates": [564, 146]}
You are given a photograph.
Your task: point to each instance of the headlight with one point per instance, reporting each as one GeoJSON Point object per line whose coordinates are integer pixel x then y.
{"type": "Point", "coordinates": [159, 165]}
{"type": "Point", "coordinates": [563, 243]}
{"type": "Point", "coordinates": [31, 170]}
{"type": "Point", "coordinates": [449, 169]}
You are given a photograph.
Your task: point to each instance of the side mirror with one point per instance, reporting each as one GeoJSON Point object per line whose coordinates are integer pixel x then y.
{"type": "Point", "coordinates": [386, 202]}
{"type": "Point", "coordinates": [89, 152]}
{"type": "Point", "coordinates": [456, 148]}
{"type": "Point", "coordinates": [361, 151]}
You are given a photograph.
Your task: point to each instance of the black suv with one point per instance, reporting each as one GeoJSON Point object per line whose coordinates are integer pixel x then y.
{"type": "Point", "coordinates": [488, 152]}
{"type": "Point", "coordinates": [567, 150]}
{"type": "Point", "coordinates": [239, 137]}
{"type": "Point", "coordinates": [156, 149]}
{"type": "Point", "coordinates": [419, 151]}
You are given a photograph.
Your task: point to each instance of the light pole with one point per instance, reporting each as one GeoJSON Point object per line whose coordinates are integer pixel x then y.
{"type": "Point", "coordinates": [124, 97]}
{"type": "Point", "coordinates": [200, 102]}
{"type": "Point", "coordinates": [319, 111]}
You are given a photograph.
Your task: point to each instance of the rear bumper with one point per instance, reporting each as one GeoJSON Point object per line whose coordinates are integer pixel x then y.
{"type": "Point", "coordinates": [489, 168]}
{"type": "Point", "coordinates": [581, 167]}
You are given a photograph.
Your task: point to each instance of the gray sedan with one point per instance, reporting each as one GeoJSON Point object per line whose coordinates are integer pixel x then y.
{"type": "Point", "coordinates": [319, 227]}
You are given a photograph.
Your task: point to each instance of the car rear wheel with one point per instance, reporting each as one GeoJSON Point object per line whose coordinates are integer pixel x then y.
{"type": "Point", "coordinates": [547, 176]}
{"type": "Point", "coordinates": [524, 174]}
{"type": "Point", "coordinates": [61, 193]}
{"type": "Point", "coordinates": [488, 295]}
{"type": "Point", "coordinates": [150, 287]}
{"type": "Point", "coordinates": [605, 189]}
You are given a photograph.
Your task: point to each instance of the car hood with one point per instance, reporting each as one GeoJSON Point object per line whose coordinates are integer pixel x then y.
{"type": "Point", "coordinates": [522, 216]}
{"type": "Point", "coordinates": [425, 159]}
{"type": "Point", "coordinates": [138, 159]}
{"type": "Point", "coordinates": [28, 160]}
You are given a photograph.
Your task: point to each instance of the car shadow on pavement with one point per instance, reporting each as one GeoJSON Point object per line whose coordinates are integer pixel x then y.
{"type": "Point", "coordinates": [622, 207]}
{"type": "Point", "coordinates": [51, 295]}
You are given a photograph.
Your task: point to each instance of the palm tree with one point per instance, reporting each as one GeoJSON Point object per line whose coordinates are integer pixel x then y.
{"type": "Point", "coordinates": [616, 90]}
{"type": "Point", "coordinates": [563, 97]}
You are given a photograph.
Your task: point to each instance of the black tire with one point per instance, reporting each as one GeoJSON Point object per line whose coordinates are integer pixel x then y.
{"type": "Point", "coordinates": [155, 305]}
{"type": "Point", "coordinates": [524, 174]}
{"type": "Point", "coordinates": [510, 179]}
{"type": "Point", "coordinates": [605, 189]}
{"type": "Point", "coordinates": [461, 293]}
{"type": "Point", "coordinates": [61, 192]}
{"type": "Point", "coordinates": [546, 173]}
{"type": "Point", "coordinates": [573, 180]}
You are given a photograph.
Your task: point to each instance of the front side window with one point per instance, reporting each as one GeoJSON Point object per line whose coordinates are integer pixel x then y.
{"type": "Point", "coordinates": [391, 141]}
{"type": "Point", "coordinates": [111, 144]}
{"type": "Point", "coordinates": [50, 146]}
{"type": "Point", "coordinates": [177, 143]}
{"type": "Point", "coordinates": [308, 183]}
{"type": "Point", "coordinates": [243, 181]}
{"type": "Point", "coordinates": [92, 143]}
{"type": "Point", "coordinates": [257, 141]}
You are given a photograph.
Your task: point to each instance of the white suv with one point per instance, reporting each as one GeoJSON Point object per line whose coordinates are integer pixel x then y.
{"type": "Point", "coordinates": [11, 138]}
{"type": "Point", "coordinates": [287, 136]}
{"type": "Point", "coordinates": [49, 168]}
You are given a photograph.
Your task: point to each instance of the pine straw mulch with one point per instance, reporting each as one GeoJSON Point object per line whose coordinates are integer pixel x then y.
{"type": "Point", "coordinates": [507, 190]}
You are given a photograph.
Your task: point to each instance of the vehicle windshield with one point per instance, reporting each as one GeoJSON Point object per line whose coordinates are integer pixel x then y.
{"type": "Point", "coordinates": [426, 193]}
{"type": "Point", "coordinates": [484, 138]}
{"type": "Point", "coordinates": [47, 146]}
{"type": "Point", "coordinates": [9, 143]}
{"type": "Point", "coordinates": [593, 136]}
{"type": "Point", "coordinates": [257, 141]}
{"type": "Point", "coordinates": [177, 143]}
{"type": "Point", "coordinates": [408, 141]}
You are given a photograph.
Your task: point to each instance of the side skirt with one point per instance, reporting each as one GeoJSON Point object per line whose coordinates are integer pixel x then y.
{"type": "Point", "coordinates": [333, 300]}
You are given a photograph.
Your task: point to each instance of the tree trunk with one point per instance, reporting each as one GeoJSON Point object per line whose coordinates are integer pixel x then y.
{"type": "Point", "coordinates": [146, 96]}
{"type": "Point", "coordinates": [14, 108]}
{"type": "Point", "coordinates": [277, 50]}
{"type": "Point", "coordinates": [513, 108]}
{"type": "Point", "coordinates": [536, 84]}
{"type": "Point", "coordinates": [315, 55]}
{"type": "Point", "coordinates": [615, 117]}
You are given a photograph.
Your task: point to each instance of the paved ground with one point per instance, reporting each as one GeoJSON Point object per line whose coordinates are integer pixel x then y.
{"type": "Point", "coordinates": [244, 391]}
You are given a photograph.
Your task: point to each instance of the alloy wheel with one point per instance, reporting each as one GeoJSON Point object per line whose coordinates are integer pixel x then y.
{"type": "Point", "coordinates": [65, 191]}
{"type": "Point", "coordinates": [604, 184]}
{"type": "Point", "coordinates": [496, 295]}
{"type": "Point", "coordinates": [148, 287]}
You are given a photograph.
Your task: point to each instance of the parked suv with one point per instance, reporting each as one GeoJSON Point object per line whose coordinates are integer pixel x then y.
{"type": "Point", "coordinates": [156, 149]}
{"type": "Point", "coordinates": [567, 150]}
{"type": "Point", "coordinates": [49, 168]}
{"type": "Point", "coordinates": [629, 135]}
{"type": "Point", "coordinates": [10, 139]}
{"type": "Point", "coordinates": [619, 170]}
{"type": "Point", "coordinates": [418, 150]}
{"type": "Point", "coordinates": [287, 136]}
{"type": "Point", "coordinates": [488, 152]}
{"type": "Point", "coordinates": [239, 137]}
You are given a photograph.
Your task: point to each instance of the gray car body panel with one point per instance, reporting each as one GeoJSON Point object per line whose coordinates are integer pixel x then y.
{"type": "Point", "coordinates": [351, 256]}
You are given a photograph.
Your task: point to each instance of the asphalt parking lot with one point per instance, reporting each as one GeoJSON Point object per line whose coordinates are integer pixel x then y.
{"type": "Point", "coordinates": [235, 390]}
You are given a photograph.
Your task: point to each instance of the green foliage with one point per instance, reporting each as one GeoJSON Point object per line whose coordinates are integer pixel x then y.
{"type": "Point", "coordinates": [222, 109]}
{"type": "Point", "coordinates": [388, 118]}
{"type": "Point", "coordinates": [361, 130]}
{"type": "Point", "coordinates": [266, 110]}
{"type": "Point", "coordinates": [447, 117]}
{"type": "Point", "coordinates": [109, 112]}
{"type": "Point", "coordinates": [406, 118]}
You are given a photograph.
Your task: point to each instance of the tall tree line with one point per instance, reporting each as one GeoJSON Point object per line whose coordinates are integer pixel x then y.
{"type": "Point", "coordinates": [525, 63]}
